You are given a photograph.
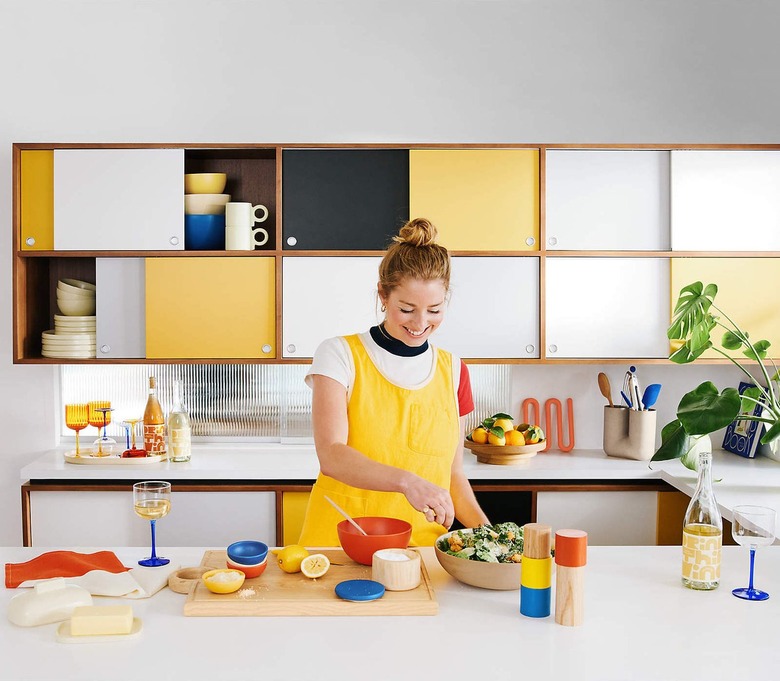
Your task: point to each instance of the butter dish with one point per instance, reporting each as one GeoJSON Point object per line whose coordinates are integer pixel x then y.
{"type": "Point", "coordinates": [49, 601]}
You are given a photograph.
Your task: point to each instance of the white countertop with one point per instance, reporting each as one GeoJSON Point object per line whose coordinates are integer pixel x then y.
{"type": "Point", "coordinates": [640, 624]}
{"type": "Point", "coordinates": [299, 462]}
{"type": "Point", "coordinates": [736, 480]}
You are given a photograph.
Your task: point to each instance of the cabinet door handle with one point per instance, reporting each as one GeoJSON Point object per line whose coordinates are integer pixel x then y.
{"type": "Point", "coordinates": [105, 348]}
{"type": "Point", "coordinates": [553, 348]}
{"type": "Point", "coordinates": [530, 241]}
{"type": "Point", "coordinates": [529, 348]}
{"type": "Point", "coordinates": [30, 241]}
{"type": "Point", "coordinates": [266, 348]}
{"type": "Point", "coordinates": [552, 241]}
{"type": "Point", "coordinates": [290, 348]}
{"type": "Point", "coordinates": [291, 241]}
{"type": "Point", "coordinates": [174, 241]}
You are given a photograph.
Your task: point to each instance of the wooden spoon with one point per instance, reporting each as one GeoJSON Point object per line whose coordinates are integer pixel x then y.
{"type": "Point", "coordinates": [344, 513]}
{"type": "Point", "coordinates": [605, 387]}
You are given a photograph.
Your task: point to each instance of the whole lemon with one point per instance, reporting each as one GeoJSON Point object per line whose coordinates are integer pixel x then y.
{"type": "Point", "coordinates": [494, 439]}
{"type": "Point", "coordinates": [290, 557]}
{"type": "Point", "coordinates": [504, 424]}
{"type": "Point", "coordinates": [479, 435]}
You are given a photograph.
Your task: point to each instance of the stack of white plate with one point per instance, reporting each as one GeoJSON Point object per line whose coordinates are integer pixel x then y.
{"type": "Point", "coordinates": [72, 337]}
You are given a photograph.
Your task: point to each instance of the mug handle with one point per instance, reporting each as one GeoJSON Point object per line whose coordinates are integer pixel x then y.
{"type": "Point", "coordinates": [262, 219]}
{"type": "Point", "coordinates": [264, 237]}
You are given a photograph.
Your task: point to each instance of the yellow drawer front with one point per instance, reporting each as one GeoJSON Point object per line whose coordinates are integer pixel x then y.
{"type": "Point", "coordinates": [743, 284]}
{"type": "Point", "coordinates": [479, 199]}
{"type": "Point", "coordinates": [210, 307]}
{"type": "Point", "coordinates": [293, 510]}
{"type": "Point", "coordinates": [37, 206]}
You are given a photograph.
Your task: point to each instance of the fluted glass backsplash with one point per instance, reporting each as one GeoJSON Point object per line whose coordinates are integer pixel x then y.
{"type": "Point", "coordinates": [247, 402]}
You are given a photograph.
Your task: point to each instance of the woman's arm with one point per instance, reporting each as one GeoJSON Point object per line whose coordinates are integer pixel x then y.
{"type": "Point", "coordinates": [348, 465]}
{"type": "Point", "coordinates": [467, 509]}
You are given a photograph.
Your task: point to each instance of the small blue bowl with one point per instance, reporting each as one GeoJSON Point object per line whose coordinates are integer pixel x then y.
{"type": "Point", "coordinates": [204, 232]}
{"type": "Point", "coordinates": [247, 552]}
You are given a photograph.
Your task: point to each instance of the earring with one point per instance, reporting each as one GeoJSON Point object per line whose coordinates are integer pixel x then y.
{"type": "Point", "coordinates": [383, 308]}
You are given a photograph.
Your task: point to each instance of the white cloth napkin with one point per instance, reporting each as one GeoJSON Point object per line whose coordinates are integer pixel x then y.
{"type": "Point", "coordinates": [139, 582]}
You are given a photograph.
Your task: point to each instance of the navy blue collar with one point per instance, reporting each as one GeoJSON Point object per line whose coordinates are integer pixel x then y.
{"type": "Point", "coordinates": [395, 347]}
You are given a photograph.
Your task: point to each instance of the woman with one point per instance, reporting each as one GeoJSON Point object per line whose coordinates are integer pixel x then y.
{"type": "Point", "coordinates": [388, 408]}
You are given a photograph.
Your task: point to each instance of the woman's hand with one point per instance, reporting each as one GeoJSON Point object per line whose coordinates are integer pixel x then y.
{"type": "Point", "coordinates": [431, 500]}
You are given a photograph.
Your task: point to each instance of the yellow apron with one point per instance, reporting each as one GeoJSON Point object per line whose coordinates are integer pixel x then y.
{"type": "Point", "coordinates": [416, 430]}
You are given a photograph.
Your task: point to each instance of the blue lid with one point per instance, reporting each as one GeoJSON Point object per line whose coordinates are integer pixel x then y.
{"type": "Point", "coordinates": [360, 590]}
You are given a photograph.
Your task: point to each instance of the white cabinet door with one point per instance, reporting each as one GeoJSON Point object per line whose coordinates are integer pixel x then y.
{"type": "Point", "coordinates": [607, 200]}
{"type": "Point", "coordinates": [118, 199]}
{"type": "Point", "coordinates": [196, 519]}
{"type": "Point", "coordinates": [609, 518]}
{"type": "Point", "coordinates": [326, 297]}
{"type": "Point", "coordinates": [493, 309]}
{"type": "Point", "coordinates": [725, 200]}
{"type": "Point", "coordinates": [607, 307]}
{"type": "Point", "coordinates": [121, 312]}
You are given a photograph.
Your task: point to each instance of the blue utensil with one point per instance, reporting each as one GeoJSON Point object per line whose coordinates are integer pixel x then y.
{"type": "Point", "coordinates": [626, 400]}
{"type": "Point", "coordinates": [650, 395]}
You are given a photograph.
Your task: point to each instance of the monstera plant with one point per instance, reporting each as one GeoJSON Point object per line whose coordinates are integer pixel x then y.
{"type": "Point", "coordinates": [696, 320]}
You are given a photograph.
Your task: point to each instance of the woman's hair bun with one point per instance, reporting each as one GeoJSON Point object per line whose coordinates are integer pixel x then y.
{"type": "Point", "coordinates": [418, 232]}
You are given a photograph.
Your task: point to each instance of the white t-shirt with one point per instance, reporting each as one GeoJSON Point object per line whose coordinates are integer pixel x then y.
{"type": "Point", "coordinates": [333, 359]}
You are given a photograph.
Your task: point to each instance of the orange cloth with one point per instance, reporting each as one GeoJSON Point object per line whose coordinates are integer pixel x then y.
{"type": "Point", "coordinates": [61, 564]}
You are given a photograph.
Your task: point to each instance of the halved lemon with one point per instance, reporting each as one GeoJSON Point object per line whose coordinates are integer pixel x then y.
{"type": "Point", "coordinates": [315, 565]}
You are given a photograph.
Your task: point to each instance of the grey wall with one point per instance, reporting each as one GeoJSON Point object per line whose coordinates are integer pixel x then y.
{"type": "Point", "coordinates": [609, 71]}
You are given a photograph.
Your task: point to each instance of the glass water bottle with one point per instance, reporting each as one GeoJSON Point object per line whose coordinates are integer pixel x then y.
{"type": "Point", "coordinates": [702, 533]}
{"type": "Point", "coordinates": [179, 430]}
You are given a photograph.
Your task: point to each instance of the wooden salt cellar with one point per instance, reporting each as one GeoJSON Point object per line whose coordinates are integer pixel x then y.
{"type": "Point", "coordinates": [396, 575]}
{"type": "Point", "coordinates": [536, 572]}
{"type": "Point", "coordinates": [571, 547]}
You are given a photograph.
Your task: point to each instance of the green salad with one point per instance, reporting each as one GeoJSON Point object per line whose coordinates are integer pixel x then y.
{"type": "Point", "coordinates": [499, 543]}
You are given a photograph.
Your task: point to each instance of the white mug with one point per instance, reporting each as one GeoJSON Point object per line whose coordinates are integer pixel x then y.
{"type": "Point", "coordinates": [240, 233]}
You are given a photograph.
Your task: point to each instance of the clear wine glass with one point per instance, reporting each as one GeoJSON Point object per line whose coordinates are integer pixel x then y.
{"type": "Point", "coordinates": [100, 415]}
{"type": "Point", "coordinates": [753, 526]}
{"type": "Point", "coordinates": [152, 501]}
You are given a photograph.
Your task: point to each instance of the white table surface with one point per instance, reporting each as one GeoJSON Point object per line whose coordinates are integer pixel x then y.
{"type": "Point", "coordinates": [640, 624]}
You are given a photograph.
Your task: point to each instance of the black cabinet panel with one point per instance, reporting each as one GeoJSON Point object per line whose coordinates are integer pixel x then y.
{"type": "Point", "coordinates": [503, 507]}
{"type": "Point", "coordinates": [344, 199]}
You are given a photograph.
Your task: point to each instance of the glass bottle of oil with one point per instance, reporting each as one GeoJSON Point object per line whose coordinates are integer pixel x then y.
{"type": "Point", "coordinates": [179, 430]}
{"type": "Point", "coordinates": [702, 533]}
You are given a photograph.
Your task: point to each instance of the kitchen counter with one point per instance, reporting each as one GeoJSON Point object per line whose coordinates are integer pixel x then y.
{"type": "Point", "coordinates": [736, 480]}
{"type": "Point", "coordinates": [639, 624]}
{"type": "Point", "coordinates": [265, 462]}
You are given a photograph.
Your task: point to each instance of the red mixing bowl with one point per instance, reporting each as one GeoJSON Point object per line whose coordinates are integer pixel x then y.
{"type": "Point", "coordinates": [382, 533]}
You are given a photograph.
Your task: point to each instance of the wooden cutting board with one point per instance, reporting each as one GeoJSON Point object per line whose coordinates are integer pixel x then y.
{"type": "Point", "coordinates": [278, 594]}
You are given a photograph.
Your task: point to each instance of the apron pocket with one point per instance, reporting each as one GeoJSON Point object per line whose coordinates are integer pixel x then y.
{"type": "Point", "coordinates": [430, 431]}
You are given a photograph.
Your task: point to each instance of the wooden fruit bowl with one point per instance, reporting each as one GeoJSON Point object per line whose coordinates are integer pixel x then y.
{"type": "Point", "coordinates": [507, 454]}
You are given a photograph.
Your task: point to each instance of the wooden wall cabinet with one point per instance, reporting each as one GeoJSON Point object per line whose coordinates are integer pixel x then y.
{"type": "Point", "coordinates": [559, 253]}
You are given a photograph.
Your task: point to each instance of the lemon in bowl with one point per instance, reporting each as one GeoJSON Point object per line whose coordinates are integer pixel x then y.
{"type": "Point", "coordinates": [223, 581]}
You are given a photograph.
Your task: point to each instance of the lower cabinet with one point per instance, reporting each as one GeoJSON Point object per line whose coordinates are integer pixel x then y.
{"type": "Point", "coordinates": [96, 518]}
{"type": "Point", "coordinates": [609, 518]}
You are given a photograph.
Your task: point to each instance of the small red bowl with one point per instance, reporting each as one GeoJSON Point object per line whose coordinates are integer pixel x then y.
{"type": "Point", "coordinates": [250, 571]}
{"type": "Point", "coordinates": [382, 533]}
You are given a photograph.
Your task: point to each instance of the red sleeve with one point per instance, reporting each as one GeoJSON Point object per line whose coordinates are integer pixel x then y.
{"type": "Point", "coordinates": [465, 396]}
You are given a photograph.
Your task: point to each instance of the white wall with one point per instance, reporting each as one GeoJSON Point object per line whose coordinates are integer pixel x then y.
{"type": "Point", "coordinates": [609, 71]}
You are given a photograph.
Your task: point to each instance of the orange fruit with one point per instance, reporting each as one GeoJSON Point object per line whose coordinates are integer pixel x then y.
{"type": "Point", "coordinates": [479, 435]}
{"type": "Point", "coordinates": [514, 438]}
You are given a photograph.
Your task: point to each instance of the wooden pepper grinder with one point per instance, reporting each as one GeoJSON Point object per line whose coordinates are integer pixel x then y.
{"type": "Point", "coordinates": [536, 571]}
{"type": "Point", "coordinates": [571, 547]}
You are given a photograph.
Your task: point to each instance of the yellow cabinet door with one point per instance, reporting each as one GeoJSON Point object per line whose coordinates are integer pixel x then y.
{"type": "Point", "coordinates": [37, 200]}
{"type": "Point", "coordinates": [210, 308]}
{"type": "Point", "coordinates": [479, 199]}
{"type": "Point", "coordinates": [743, 294]}
{"type": "Point", "coordinates": [293, 512]}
